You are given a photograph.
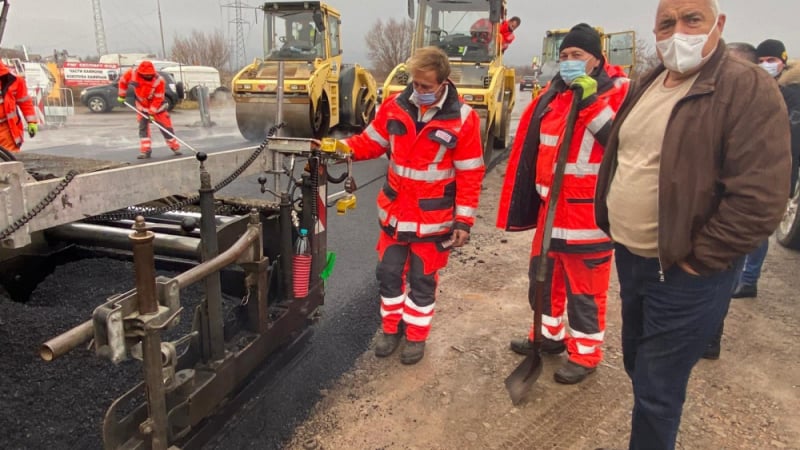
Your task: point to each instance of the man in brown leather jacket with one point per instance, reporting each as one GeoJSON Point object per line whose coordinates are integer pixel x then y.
{"type": "Point", "coordinates": [695, 176]}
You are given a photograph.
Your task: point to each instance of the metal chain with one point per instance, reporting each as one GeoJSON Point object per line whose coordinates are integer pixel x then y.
{"type": "Point", "coordinates": [132, 211]}
{"type": "Point", "coordinates": [36, 210]}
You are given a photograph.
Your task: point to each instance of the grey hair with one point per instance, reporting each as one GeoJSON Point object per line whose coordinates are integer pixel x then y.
{"type": "Point", "coordinates": [714, 6]}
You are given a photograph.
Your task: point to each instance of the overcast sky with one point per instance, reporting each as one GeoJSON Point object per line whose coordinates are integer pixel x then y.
{"type": "Point", "coordinates": [133, 26]}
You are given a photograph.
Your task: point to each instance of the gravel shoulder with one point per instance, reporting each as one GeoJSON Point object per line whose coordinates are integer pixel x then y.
{"type": "Point", "coordinates": [455, 398]}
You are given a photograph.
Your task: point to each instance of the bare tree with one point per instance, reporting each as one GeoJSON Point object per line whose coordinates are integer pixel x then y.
{"type": "Point", "coordinates": [646, 58]}
{"type": "Point", "coordinates": [389, 44]}
{"type": "Point", "coordinates": [201, 49]}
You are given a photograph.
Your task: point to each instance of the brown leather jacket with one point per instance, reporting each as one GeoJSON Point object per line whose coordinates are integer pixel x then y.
{"type": "Point", "coordinates": [725, 163]}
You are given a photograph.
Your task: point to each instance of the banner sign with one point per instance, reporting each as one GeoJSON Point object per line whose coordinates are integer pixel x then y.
{"type": "Point", "coordinates": [89, 74]}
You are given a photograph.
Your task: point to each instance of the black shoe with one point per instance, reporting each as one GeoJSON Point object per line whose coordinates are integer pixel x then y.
{"type": "Point", "coordinates": [386, 344]}
{"type": "Point", "coordinates": [712, 351]}
{"type": "Point", "coordinates": [176, 153]}
{"type": "Point", "coordinates": [144, 155]}
{"type": "Point", "coordinates": [745, 291]}
{"type": "Point", "coordinates": [571, 373]}
{"type": "Point", "coordinates": [525, 347]}
{"type": "Point", "coordinates": [412, 352]}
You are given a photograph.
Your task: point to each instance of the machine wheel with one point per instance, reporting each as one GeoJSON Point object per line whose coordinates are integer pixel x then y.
{"type": "Point", "coordinates": [500, 142]}
{"type": "Point", "coordinates": [487, 140]}
{"type": "Point", "coordinates": [97, 104]}
{"type": "Point", "coordinates": [365, 110]}
{"type": "Point", "coordinates": [170, 103]}
{"type": "Point", "coordinates": [321, 118]}
{"type": "Point", "coordinates": [788, 232]}
{"type": "Point", "coordinates": [252, 126]}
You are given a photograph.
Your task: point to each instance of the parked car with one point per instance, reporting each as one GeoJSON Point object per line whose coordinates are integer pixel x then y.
{"type": "Point", "coordinates": [527, 82]}
{"type": "Point", "coordinates": [101, 99]}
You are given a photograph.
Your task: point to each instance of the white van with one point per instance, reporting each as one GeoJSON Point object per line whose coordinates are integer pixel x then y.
{"type": "Point", "coordinates": [193, 76]}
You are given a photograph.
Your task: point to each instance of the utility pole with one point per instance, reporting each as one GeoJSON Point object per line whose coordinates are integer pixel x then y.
{"type": "Point", "coordinates": [161, 27]}
{"type": "Point", "coordinates": [238, 23]}
{"type": "Point", "coordinates": [99, 30]}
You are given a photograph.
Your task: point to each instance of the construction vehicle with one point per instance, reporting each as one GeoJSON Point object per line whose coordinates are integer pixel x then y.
{"type": "Point", "coordinates": [619, 49]}
{"type": "Point", "coordinates": [321, 94]}
{"type": "Point", "coordinates": [476, 61]}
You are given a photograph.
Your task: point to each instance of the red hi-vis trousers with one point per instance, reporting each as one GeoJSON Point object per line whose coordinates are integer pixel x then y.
{"type": "Point", "coordinates": [417, 263]}
{"type": "Point", "coordinates": [163, 119]}
{"type": "Point", "coordinates": [579, 282]}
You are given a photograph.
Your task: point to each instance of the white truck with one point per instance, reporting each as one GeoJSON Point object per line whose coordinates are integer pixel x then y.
{"type": "Point", "coordinates": [193, 76]}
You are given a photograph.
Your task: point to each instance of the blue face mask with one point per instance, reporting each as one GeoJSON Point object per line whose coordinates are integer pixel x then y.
{"type": "Point", "coordinates": [426, 98]}
{"type": "Point", "coordinates": [571, 69]}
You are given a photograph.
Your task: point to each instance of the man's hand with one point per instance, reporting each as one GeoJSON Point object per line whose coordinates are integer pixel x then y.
{"type": "Point", "coordinates": [586, 84]}
{"type": "Point", "coordinates": [33, 128]}
{"type": "Point", "coordinates": [687, 268]}
{"type": "Point", "coordinates": [459, 238]}
{"type": "Point", "coordinates": [121, 100]}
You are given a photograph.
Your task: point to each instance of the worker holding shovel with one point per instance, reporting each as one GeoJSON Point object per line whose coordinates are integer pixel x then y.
{"type": "Point", "coordinates": [149, 87]}
{"type": "Point", "coordinates": [571, 118]}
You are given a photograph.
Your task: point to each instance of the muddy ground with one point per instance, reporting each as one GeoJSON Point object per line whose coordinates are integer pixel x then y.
{"type": "Point", "coordinates": [455, 397]}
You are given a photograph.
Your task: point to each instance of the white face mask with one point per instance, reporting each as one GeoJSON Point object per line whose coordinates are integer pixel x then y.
{"type": "Point", "coordinates": [684, 52]}
{"type": "Point", "coordinates": [771, 68]}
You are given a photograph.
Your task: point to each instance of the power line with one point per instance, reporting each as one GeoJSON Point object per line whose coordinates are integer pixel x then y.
{"type": "Point", "coordinates": [99, 30]}
{"type": "Point", "coordinates": [238, 23]}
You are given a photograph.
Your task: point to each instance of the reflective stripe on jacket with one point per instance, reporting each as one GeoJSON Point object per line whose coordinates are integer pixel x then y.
{"type": "Point", "coordinates": [434, 176]}
{"type": "Point", "coordinates": [533, 158]}
{"type": "Point", "coordinates": [149, 94]}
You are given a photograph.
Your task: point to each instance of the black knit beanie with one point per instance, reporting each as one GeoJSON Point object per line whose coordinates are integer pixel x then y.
{"type": "Point", "coordinates": [772, 47]}
{"type": "Point", "coordinates": [585, 38]}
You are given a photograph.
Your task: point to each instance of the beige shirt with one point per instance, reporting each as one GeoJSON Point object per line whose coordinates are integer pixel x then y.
{"type": "Point", "coordinates": [633, 195]}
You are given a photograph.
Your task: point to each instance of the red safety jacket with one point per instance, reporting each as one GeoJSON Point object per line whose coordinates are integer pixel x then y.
{"type": "Point", "coordinates": [149, 93]}
{"type": "Point", "coordinates": [506, 34]}
{"type": "Point", "coordinates": [434, 176]}
{"type": "Point", "coordinates": [533, 157]}
{"type": "Point", "coordinates": [16, 94]}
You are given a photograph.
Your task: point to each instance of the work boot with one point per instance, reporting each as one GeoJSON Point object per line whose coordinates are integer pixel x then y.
{"type": "Point", "coordinates": [386, 344]}
{"type": "Point", "coordinates": [144, 155]}
{"type": "Point", "coordinates": [572, 373]}
{"type": "Point", "coordinates": [412, 352]}
{"type": "Point", "coordinates": [176, 152]}
{"type": "Point", "coordinates": [525, 347]}
{"type": "Point", "coordinates": [745, 291]}
{"type": "Point", "coordinates": [712, 351]}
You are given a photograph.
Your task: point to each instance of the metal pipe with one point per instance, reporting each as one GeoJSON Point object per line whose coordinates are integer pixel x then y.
{"type": "Point", "coordinates": [286, 245]}
{"type": "Point", "coordinates": [66, 341]}
{"type": "Point", "coordinates": [92, 235]}
{"type": "Point", "coordinates": [144, 265]}
{"type": "Point", "coordinates": [155, 427]}
{"type": "Point", "coordinates": [225, 258]}
{"type": "Point", "coordinates": [213, 284]}
{"type": "Point", "coordinates": [277, 157]}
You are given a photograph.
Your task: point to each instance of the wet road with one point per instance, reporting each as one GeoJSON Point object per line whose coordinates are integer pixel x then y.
{"type": "Point", "coordinates": [350, 315]}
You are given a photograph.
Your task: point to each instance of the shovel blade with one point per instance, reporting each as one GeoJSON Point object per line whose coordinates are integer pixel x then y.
{"type": "Point", "coordinates": [519, 382]}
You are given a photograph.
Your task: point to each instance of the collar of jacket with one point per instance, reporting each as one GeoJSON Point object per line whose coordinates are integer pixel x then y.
{"type": "Point", "coordinates": [604, 81]}
{"type": "Point", "coordinates": [451, 108]}
{"type": "Point", "coordinates": [791, 74]}
{"type": "Point", "coordinates": [707, 79]}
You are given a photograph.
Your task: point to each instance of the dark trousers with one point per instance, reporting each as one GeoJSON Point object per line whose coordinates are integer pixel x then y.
{"type": "Point", "coordinates": [666, 326]}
